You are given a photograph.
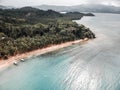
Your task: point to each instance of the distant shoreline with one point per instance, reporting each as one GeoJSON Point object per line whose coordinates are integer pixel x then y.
{"type": "Point", "coordinates": [6, 63]}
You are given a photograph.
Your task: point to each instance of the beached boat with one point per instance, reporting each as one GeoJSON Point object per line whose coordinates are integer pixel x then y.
{"type": "Point", "coordinates": [15, 63]}
{"type": "Point", "coordinates": [22, 60]}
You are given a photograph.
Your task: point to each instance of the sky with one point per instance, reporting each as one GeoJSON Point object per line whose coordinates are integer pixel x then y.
{"type": "Point", "coordinates": [21, 3]}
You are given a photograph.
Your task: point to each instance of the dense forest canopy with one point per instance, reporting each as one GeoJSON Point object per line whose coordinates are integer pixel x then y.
{"type": "Point", "coordinates": [27, 29]}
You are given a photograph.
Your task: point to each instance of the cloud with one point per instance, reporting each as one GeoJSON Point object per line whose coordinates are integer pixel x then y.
{"type": "Point", "coordinates": [57, 2]}
{"type": "Point", "coordinates": [116, 2]}
{"type": "Point", "coordinates": [107, 2]}
{"type": "Point", "coordinates": [0, 0]}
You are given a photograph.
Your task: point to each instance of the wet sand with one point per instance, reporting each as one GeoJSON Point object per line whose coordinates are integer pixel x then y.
{"type": "Point", "coordinates": [17, 58]}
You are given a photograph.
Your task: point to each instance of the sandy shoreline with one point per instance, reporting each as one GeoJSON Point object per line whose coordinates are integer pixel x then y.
{"type": "Point", "coordinates": [11, 60]}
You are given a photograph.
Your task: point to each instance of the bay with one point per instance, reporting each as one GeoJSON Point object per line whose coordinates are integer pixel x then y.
{"type": "Point", "coordinates": [94, 65]}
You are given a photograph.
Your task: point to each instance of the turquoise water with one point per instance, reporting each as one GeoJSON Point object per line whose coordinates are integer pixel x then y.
{"type": "Point", "coordinates": [94, 65]}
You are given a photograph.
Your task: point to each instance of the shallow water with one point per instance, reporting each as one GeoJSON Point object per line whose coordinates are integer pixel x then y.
{"type": "Point", "coordinates": [94, 65]}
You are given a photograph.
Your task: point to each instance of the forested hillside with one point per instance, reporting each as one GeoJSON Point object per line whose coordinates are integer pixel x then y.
{"type": "Point", "coordinates": [26, 29]}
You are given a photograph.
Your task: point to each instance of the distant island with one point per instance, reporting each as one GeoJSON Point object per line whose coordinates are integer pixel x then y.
{"type": "Point", "coordinates": [26, 29]}
{"type": "Point", "coordinates": [94, 8]}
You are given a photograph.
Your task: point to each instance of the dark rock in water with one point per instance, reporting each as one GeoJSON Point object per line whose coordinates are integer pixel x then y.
{"type": "Point", "coordinates": [89, 14]}
{"type": "Point", "coordinates": [93, 35]}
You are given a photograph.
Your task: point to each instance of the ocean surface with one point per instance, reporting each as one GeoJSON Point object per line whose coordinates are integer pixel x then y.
{"type": "Point", "coordinates": [94, 65]}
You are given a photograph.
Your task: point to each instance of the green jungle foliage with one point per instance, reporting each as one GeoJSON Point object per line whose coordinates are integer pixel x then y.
{"type": "Point", "coordinates": [26, 29]}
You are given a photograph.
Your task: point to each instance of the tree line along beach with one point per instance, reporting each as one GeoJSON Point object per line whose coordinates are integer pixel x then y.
{"type": "Point", "coordinates": [28, 31]}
